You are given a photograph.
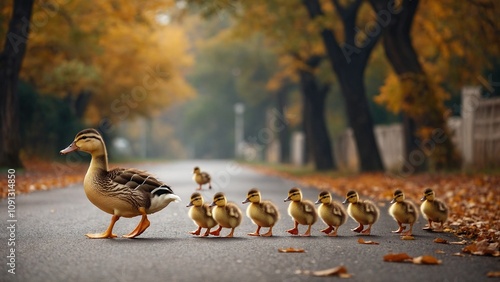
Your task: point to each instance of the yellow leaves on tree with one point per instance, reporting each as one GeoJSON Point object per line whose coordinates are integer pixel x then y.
{"type": "Point", "coordinates": [417, 96]}
{"type": "Point", "coordinates": [131, 63]}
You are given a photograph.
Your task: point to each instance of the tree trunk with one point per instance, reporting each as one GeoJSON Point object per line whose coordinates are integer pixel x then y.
{"type": "Point", "coordinates": [10, 64]}
{"type": "Point", "coordinates": [349, 62]}
{"type": "Point", "coordinates": [317, 138]}
{"type": "Point", "coordinates": [283, 129]}
{"type": "Point", "coordinates": [417, 93]}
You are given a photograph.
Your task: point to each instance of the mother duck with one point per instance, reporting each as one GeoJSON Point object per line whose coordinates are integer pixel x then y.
{"type": "Point", "coordinates": [120, 191]}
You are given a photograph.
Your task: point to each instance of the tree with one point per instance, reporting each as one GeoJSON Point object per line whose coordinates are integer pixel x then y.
{"type": "Point", "coordinates": [287, 31]}
{"type": "Point", "coordinates": [314, 95]}
{"type": "Point", "coordinates": [349, 61]}
{"type": "Point", "coordinates": [10, 64]}
{"type": "Point", "coordinates": [420, 88]}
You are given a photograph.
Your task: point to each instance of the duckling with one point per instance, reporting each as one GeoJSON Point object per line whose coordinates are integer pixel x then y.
{"type": "Point", "coordinates": [332, 214]}
{"type": "Point", "coordinates": [120, 192]}
{"type": "Point", "coordinates": [262, 213]}
{"type": "Point", "coordinates": [302, 212]}
{"type": "Point", "coordinates": [403, 212]}
{"type": "Point", "coordinates": [201, 213]}
{"type": "Point", "coordinates": [364, 212]}
{"type": "Point", "coordinates": [433, 209]}
{"type": "Point", "coordinates": [226, 214]}
{"type": "Point", "coordinates": [201, 178]}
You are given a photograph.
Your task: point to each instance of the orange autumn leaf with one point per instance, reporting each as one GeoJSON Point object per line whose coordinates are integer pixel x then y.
{"type": "Point", "coordinates": [426, 260]}
{"type": "Point", "coordinates": [291, 250]}
{"type": "Point", "coordinates": [340, 271]}
{"type": "Point", "coordinates": [440, 241]}
{"type": "Point", "coordinates": [362, 241]}
{"type": "Point", "coordinates": [401, 257]}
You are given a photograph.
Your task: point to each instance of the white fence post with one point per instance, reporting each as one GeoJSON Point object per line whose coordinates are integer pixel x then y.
{"type": "Point", "coordinates": [470, 102]}
{"type": "Point", "coordinates": [297, 147]}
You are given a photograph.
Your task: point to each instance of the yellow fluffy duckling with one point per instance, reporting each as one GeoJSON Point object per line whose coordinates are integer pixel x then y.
{"type": "Point", "coordinates": [332, 213]}
{"type": "Point", "coordinates": [433, 210]}
{"type": "Point", "coordinates": [364, 212]}
{"type": "Point", "coordinates": [120, 192]}
{"type": "Point", "coordinates": [201, 214]}
{"type": "Point", "coordinates": [262, 213]}
{"type": "Point", "coordinates": [403, 211]}
{"type": "Point", "coordinates": [301, 211]}
{"type": "Point", "coordinates": [226, 214]}
{"type": "Point", "coordinates": [201, 178]}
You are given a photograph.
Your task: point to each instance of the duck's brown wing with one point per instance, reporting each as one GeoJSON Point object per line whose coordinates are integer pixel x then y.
{"type": "Point", "coordinates": [139, 180]}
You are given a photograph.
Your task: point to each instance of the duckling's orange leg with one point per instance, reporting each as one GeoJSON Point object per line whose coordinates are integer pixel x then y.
{"type": "Point", "coordinates": [400, 229]}
{"type": "Point", "coordinates": [295, 229]}
{"type": "Point", "coordinates": [106, 234]}
{"type": "Point", "coordinates": [256, 233]}
{"type": "Point", "coordinates": [327, 230]}
{"type": "Point", "coordinates": [334, 233]}
{"type": "Point", "coordinates": [268, 233]}
{"type": "Point", "coordinates": [358, 229]}
{"type": "Point", "coordinates": [230, 235]}
{"type": "Point", "coordinates": [207, 232]}
{"type": "Point", "coordinates": [308, 232]}
{"type": "Point", "coordinates": [428, 227]}
{"type": "Point", "coordinates": [141, 227]}
{"type": "Point", "coordinates": [367, 231]}
{"type": "Point", "coordinates": [409, 232]}
{"type": "Point", "coordinates": [199, 187]}
{"type": "Point", "coordinates": [216, 232]}
{"type": "Point", "coordinates": [196, 232]}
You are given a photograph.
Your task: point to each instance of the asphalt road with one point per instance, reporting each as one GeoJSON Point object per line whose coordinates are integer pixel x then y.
{"type": "Point", "coordinates": [51, 246]}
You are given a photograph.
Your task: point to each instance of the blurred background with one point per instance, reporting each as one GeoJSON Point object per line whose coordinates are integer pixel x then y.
{"type": "Point", "coordinates": [351, 85]}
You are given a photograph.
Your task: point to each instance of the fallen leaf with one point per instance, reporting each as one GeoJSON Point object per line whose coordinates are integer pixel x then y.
{"type": "Point", "coordinates": [440, 241]}
{"type": "Point", "coordinates": [493, 274]}
{"type": "Point", "coordinates": [340, 271]}
{"type": "Point", "coordinates": [407, 237]}
{"type": "Point", "coordinates": [291, 250]}
{"type": "Point", "coordinates": [482, 248]}
{"type": "Point", "coordinates": [463, 242]}
{"type": "Point", "coordinates": [458, 254]}
{"type": "Point", "coordinates": [362, 241]}
{"type": "Point", "coordinates": [426, 260]}
{"type": "Point", "coordinates": [401, 257]}
{"type": "Point", "coordinates": [439, 252]}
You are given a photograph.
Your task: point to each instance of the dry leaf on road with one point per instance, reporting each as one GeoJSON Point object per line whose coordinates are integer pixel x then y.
{"type": "Point", "coordinates": [482, 248]}
{"type": "Point", "coordinates": [493, 274]}
{"type": "Point", "coordinates": [426, 260]}
{"type": "Point", "coordinates": [362, 241]}
{"type": "Point", "coordinates": [440, 241]}
{"type": "Point", "coordinates": [340, 271]}
{"type": "Point", "coordinates": [291, 250]}
{"type": "Point", "coordinates": [401, 257]}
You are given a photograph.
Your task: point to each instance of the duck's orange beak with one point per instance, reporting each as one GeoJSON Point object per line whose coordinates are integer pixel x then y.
{"type": "Point", "coordinates": [72, 147]}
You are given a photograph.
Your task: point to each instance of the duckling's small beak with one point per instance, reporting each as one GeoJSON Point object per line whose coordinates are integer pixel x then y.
{"type": "Point", "coordinates": [423, 198]}
{"type": "Point", "coordinates": [189, 205]}
{"type": "Point", "coordinates": [72, 147]}
{"type": "Point", "coordinates": [212, 204]}
{"type": "Point", "coordinates": [245, 201]}
{"type": "Point", "coordinates": [287, 199]}
{"type": "Point", "coordinates": [318, 202]}
{"type": "Point", "coordinates": [392, 201]}
{"type": "Point", "coordinates": [345, 201]}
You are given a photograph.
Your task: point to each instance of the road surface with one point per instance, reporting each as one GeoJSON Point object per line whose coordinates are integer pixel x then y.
{"type": "Point", "coordinates": [51, 246]}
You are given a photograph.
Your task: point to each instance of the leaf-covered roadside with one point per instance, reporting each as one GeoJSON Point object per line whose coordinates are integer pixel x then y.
{"type": "Point", "coordinates": [473, 200]}
{"type": "Point", "coordinates": [42, 175]}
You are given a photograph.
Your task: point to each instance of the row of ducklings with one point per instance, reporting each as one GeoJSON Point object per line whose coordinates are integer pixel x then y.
{"type": "Point", "coordinates": [265, 213]}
